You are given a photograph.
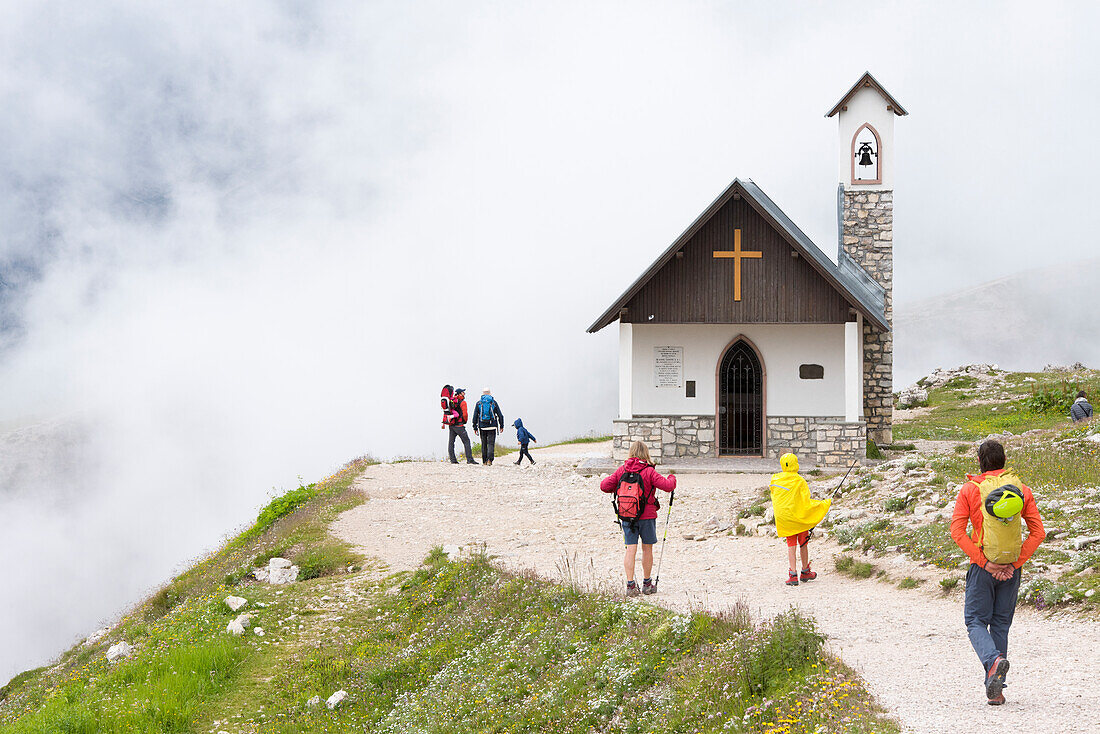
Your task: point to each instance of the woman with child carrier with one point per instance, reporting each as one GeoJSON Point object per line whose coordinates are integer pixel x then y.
{"type": "Point", "coordinates": [635, 486]}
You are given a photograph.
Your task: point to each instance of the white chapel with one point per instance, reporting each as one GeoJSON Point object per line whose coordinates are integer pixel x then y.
{"type": "Point", "coordinates": [744, 339]}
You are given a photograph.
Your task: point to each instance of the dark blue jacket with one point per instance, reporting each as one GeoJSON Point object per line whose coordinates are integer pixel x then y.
{"type": "Point", "coordinates": [492, 420]}
{"type": "Point", "coordinates": [522, 434]}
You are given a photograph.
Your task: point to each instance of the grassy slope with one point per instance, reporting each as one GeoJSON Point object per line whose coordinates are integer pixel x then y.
{"type": "Point", "coordinates": [954, 416]}
{"type": "Point", "coordinates": [457, 646]}
{"type": "Point", "coordinates": [1054, 459]}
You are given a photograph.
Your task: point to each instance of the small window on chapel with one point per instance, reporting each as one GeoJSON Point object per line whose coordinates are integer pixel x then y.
{"type": "Point", "coordinates": [811, 372]}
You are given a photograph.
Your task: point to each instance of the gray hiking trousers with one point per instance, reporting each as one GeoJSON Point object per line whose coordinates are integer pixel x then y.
{"type": "Point", "coordinates": [459, 432]}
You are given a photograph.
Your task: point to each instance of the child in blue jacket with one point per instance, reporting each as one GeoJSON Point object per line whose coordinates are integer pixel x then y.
{"type": "Point", "coordinates": [524, 437]}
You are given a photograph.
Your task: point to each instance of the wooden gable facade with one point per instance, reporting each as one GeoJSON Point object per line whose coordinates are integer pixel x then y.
{"type": "Point", "coordinates": [781, 281]}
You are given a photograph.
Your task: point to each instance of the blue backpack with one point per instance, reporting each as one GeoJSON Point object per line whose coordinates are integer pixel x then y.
{"type": "Point", "coordinates": [485, 406]}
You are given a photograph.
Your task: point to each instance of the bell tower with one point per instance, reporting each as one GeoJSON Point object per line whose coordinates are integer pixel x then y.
{"type": "Point", "coordinates": [865, 116]}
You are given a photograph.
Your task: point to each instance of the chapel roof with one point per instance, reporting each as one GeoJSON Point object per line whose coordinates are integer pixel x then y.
{"type": "Point", "coordinates": [848, 279]}
{"type": "Point", "coordinates": [868, 81]}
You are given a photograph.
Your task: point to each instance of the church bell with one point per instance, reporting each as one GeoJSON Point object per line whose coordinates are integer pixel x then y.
{"type": "Point", "coordinates": [864, 154]}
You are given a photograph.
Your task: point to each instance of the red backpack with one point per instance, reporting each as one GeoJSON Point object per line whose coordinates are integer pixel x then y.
{"type": "Point", "coordinates": [630, 498]}
{"type": "Point", "coordinates": [450, 407]}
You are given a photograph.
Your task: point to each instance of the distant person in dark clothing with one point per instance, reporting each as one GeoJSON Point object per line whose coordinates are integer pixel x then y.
{"type": "Point", "coordinates": [487, 421]}
{"type": "Point", "coordinates": [1081, 408]}
{"type": "Point", "coordinates": [524, 437]}
{"type": "Point", "coordinates": [457, 429]}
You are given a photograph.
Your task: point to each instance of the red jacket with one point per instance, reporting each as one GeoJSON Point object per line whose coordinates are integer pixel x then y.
{"type": "Point", "coordinates": [968, 506]}
{"type": "Point", "coordinates": [650, 479]}
{"type": "Point", "coordinates": [462, 415]}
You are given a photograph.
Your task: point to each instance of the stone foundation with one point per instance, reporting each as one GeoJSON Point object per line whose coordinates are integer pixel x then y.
{"type": "Point", "coordinates": [869, 242]}
{"type": "Point", "coordinates": [667, 437]}
{"type": "Point", "coordinates": [838, 444]}
{"type": "Point", "coordinates": [823, 440]}
{"type": "Point", "coordinates": [827, 440]}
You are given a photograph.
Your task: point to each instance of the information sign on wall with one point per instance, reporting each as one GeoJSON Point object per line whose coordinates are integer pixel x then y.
{"type": "Point", "coordinates": [668, 366]}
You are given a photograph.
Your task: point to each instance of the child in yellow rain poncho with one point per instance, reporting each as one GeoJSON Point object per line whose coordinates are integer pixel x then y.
{"type": "Point", "coordinates": [796, 514]}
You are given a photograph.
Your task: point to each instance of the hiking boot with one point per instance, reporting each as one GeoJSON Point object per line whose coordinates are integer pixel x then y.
{"type": "Point", "coordinates": [792, 578]}
{"type": "Point", "coordinates": [632, 589]}
{"type": "Point", "coordinates": [517, 463]}
{"type": "Point", "coordinates": [807, 575]}
{"type": "Point", "coordinates": [454, 461]}
{"type": "Point", "coordinates": [648, 587]}
{"type": "Point", "coordinates": [995, 680]}
{"type": "Point", "coordinates": [474, 463]}
{"type": "Point", "coordinates": [998, 701]}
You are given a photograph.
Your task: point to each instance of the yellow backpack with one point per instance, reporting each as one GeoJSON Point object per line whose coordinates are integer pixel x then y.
{"type": "Point", "coordinates": [1002, 537]}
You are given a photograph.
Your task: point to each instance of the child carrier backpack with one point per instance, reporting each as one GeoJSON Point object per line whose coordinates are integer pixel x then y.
{"type": "Point", "coordinates": [629, 498]}
{"type": "Point", "coordinates": [486, 403]}
{"type": "Point", "coordinates": [1002, 537]}
{"type": "Point", "coordinates": [449, 406]}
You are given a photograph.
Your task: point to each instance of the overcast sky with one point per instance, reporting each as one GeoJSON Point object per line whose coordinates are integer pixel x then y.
{"type": "Point", "coordinates": [246, 241]}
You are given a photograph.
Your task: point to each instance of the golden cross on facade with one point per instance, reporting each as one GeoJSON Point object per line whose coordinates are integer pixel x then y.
{"type": "Point", "coordinates": [737, 253]}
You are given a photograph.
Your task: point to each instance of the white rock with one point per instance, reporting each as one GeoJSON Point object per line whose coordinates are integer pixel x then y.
{"type": "Point", "coordinates": [281, 571]}
{"type": "Point", "coordinates": [335, 699]}
{"type": "Point", "coordinates": [238, 625]}
{"type": "Point", "coordinates": [259, 631]}
{"type": "Point", "coordinates": [1095, 438]}
{"type": "Point", "coordinates": [1089, 593]}
{"type": "Point", "coordinates": [451, 551]}
{"type": "Point", "coordinates": [769, 514]}
{"type": "Point", "coordinates": [260, 574]}
{"type": "Point", "coordinates": [314, 702]}
{"type": "Point", "coordinates": [120, 650]}
{"type": "Point", "coordinates": [96, 636]}
{"type": "Point", "coordinates": [235, 602]}
{"type": "Point", "coordinates": [1085, 540]}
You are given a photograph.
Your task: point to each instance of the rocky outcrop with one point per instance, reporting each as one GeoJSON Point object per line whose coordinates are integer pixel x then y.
{"type": "Point", "coordinates": [278, 571]}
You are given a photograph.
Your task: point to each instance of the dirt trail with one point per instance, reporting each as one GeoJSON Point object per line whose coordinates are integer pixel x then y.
{"type": "Point", "coordinates": [910, 646]}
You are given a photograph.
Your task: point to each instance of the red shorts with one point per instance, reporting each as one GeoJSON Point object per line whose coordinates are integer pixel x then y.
{"type": "Point", "coordinates": [801, 539]}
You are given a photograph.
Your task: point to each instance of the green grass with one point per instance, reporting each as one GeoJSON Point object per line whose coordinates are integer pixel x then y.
{"type": "Point", "coordinates": [949, 583]}
{"type": "Point", "coordinates": [185, 616]}
{"type": "Point", "coordinates": [856, 569]}
{"type": "Point", "coordinates": [1023, 407]}
{"type": "Point", "coordinates": [909, 583]}
{"type": "Point", "coordinates": [455, 647]}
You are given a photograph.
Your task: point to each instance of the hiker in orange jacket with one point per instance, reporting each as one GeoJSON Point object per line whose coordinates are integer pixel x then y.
{"type": "Point", "coordinates": [994, 502]}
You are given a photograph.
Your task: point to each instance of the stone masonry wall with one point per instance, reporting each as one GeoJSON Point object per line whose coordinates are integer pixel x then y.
{"type": "Point", "coordinates": [667, 437]}
{"type": "Point", "coordinates": [822, 440]}
{"type": "Point", "coordinates": [795, 434]}
{"type": "Point", "coordinates": [869, 241]}
{"type": "Point", "coordinates": [838, 444]}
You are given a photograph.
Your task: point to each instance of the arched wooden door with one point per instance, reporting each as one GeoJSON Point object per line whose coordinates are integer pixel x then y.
{"type": "Point", "coordinates": [740, 402]}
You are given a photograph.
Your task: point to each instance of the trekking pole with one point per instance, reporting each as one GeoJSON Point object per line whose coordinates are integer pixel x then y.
{"type": "Point", "coordinates": [657, 578]}
{"type": "Point", "coordinates": [836, 492]}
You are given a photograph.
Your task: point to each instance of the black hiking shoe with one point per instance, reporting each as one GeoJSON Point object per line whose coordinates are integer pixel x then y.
{"type": "Point", "coordinates": [632, 589]}
{"type": "Point", "coordinates": [995, 680]}
{"type": "Point", "coordinates": [648, 587]}
{"type": "Point", "coordinates": [792, 578]}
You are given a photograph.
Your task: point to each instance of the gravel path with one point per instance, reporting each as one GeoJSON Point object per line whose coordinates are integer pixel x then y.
{"type": "Point", "coordinates": [910, 646]}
